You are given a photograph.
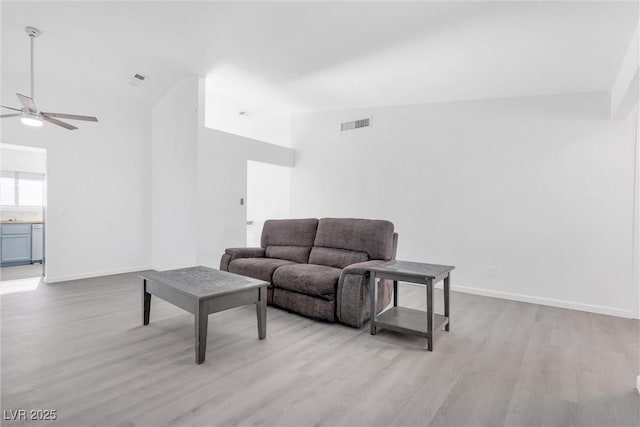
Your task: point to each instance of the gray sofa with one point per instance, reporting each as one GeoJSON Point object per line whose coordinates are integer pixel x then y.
{"type": "Point", "coordinates": [317, 268]}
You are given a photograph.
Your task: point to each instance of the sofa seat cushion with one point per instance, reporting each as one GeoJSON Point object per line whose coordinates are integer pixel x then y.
{"type": "Point", "coordinates": [258, 268]}
{"type": "Point", "coordinates": [309, 279]}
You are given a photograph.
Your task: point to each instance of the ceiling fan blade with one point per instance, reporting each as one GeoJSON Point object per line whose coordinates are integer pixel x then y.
{"type": "Point", "coordinates": [71, 116]}
{"type": "Point", "coordinates": [27, 102]}
{"type": "Point", "coordinates": [9, 115]}
{"type": "Point", "coordinates": [59, 123]}
{"type": "Point", "coordinates": [10, 108]}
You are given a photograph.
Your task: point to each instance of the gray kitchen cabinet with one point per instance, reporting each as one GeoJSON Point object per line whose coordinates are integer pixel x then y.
{"type": "Point", "coordinates": [15, 242]}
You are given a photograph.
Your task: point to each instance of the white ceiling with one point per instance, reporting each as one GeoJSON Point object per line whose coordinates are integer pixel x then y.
{"type": "Point", "coordinates": [291, 57]}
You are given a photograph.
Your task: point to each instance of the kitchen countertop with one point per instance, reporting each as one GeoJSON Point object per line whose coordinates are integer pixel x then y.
{"type": "Point", "coordinates": [4, 221]}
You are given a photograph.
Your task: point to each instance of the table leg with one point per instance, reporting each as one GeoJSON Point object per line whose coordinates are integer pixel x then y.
{"type": "Point", "coordinates": [146, 303]}
{"type": "Point", "coordinates": [261, 312]}
{"type": "Point", "coordinates": [374, 300]}
{"type": "Point", "coordinates": [430, 314]}
{"type": "Point", "coordinates": [395, 293]}
{"type": "Point", "coordinates": [446, 300]}
{"type": "Point", "coordinates": [201, 319]}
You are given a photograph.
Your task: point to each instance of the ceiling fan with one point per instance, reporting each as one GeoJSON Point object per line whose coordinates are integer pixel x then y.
{"type": "Point", "coordinates": [29, 114]}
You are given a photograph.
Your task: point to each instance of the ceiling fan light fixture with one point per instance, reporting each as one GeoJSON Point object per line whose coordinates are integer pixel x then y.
{"type": "Point", "coordinates": [29, 114]}
{"type": "Point", "coordinates": [31, 119]}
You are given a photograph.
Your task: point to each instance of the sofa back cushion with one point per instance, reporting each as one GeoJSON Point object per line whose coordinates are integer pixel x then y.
{"type": "Point", "coordinates": [371, 237]}
{"type": "Point", "coordinates": [339, 258]}
{"type": "Point", "coordinates": [289, 239]}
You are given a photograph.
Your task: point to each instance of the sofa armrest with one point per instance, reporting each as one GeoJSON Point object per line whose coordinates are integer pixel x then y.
{"type": "Point", "coordinates": [234, 253]}
{"type": "Point", "coordinates": [353, 301]}
{"type": "Point", "coordinates": [361, 267]}
{"type": "Point", "coordinates": [245, 252]}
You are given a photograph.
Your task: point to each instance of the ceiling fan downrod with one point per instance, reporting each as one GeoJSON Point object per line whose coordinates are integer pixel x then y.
{"type": "Point", "coordinates": [32, 32]}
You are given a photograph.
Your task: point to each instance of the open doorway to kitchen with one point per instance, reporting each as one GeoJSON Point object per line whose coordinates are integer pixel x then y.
{"type": "Point", "coordinates": [22, 217]}
{"type": "Point", "coordinates": [268, 197]}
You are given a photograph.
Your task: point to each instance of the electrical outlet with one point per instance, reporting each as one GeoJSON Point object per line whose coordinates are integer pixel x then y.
{"type": "Point", "coordinates": [492, 272]}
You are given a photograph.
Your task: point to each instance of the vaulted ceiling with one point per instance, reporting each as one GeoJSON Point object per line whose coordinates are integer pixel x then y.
{"type": "Point", "coordinates": [306, 56]}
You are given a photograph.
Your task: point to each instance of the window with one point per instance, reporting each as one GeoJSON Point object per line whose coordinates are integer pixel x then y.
{"type": "Point", "coordinates": [21, 188]}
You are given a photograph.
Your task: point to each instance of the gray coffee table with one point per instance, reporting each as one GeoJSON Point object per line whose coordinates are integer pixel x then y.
{"type": "Point", "coordinates": [407, 320]}
{"type": "Point", "coordinates": [202, 291]}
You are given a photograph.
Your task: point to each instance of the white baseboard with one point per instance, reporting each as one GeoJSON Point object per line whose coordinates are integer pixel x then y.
{"type": "Point", "coordinates": [572, 305]}
{"type": "Point", "coordinates": [56, 279]}
{"type": "Point", "coordinates": [173, 267]}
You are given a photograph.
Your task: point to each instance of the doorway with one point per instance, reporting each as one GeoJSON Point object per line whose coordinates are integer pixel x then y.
{"type": "Point", "coordinates": [268, 197]}
{"type": "Point", "coordinates": [22, 217]}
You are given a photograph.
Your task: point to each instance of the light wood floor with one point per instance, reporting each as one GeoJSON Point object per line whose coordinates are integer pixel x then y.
{"type": "Point", "coordinates": [18, 272]}
{"type": "Point", "coordinates": [80, 348]}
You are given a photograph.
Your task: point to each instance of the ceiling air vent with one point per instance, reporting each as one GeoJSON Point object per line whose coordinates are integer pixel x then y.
{"type": "Point", "coordinates": [137, 80]}
{"type": "Point", "coordinates": [362, 123]}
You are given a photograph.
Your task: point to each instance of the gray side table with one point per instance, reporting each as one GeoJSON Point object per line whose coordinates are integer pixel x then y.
{"type": "Point", "coordinates": [407, 320]}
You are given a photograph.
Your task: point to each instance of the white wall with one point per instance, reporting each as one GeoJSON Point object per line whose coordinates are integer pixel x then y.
{"type": "Point", "coordinates": [624, 91]}
{"type": "Point", "coordinates": [97, 192]}
{"type": "Point", "coordinates": [174, 177]}
{"type": "Point", "coordinates": [222, 113]}
{"type": "Point", "coordinates": [537, 192]}
{"type": "Point", "coordinates": [25, 159]}
{"type": "Point", "coordinates": [199, 177]}
{"type": "Point", "coordinates": [222, 172]}
{"type": "Point", "coordinates": [635, 276]}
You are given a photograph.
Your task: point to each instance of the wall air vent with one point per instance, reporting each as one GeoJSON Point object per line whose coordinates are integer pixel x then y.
{"type": "Point", "coordinates": [362, 123]}
{"type": "Point", "coordinates": [137, 80]}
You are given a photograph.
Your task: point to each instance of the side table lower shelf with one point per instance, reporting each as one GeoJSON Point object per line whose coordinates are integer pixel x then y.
{"type": "Point", "coordinates": [409, 321]}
